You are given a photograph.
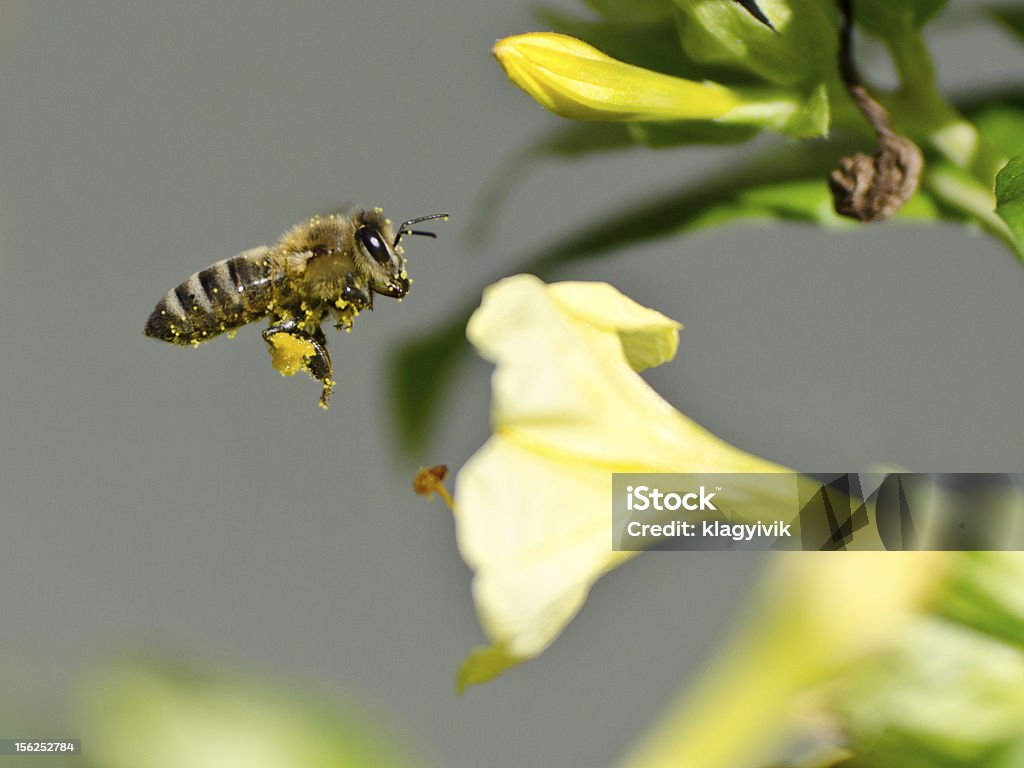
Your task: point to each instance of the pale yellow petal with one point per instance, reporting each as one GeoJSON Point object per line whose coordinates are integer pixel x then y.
{"type": "Point", "coordinates": [564, 387]}
{"type": "Point", "coordinates": [648, 337]}
{"type": "Point", "coordinates": [537, 533]}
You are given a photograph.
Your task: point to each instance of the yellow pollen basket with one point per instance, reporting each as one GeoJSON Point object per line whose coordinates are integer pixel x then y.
{"type": "Point", "coordinates": [288, 353]}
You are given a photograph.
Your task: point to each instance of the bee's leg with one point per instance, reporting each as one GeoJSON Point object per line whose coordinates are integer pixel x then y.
{"type": "Point", "coordinates": [356, 298]}
{"type": "Point", "coordinates": [319, 363]}
{"type": "Point", "coordinates": [320, 366]}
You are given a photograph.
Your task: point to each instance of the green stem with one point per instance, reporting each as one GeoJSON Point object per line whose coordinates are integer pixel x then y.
{"type": "Point", "coordinates": [911, 57]}
{"type": "Point", "coordinates": [966, 181]}
{"type": "Point", "coordinates": [923, 112]}
{"type": "Point", "coordinates": [965, 193]}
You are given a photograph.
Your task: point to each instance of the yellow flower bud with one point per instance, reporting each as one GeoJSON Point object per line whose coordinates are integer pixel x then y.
{"type": "Point", "coordinates": [575, 80]}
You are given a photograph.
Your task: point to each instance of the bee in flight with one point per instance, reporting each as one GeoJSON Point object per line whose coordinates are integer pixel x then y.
{"type": "Point", "coordinates": [327, 266]}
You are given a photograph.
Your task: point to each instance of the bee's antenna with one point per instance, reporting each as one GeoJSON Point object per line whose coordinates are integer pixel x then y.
{"type": "Point", "coordinates": [403, 228]}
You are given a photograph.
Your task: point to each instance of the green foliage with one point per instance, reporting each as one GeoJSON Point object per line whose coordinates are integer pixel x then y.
{"type": "Point", "coordinates": [723, 41]}
{"type": "Point", "coordinates": [800, 51]}
{"type": "Point", "coordinates": [420, 373]}
{"type": "Point", "coordinates": [1010, 199]}
{"type": "Point", "coordinates": [949, 692]}
{"type": "Point", "coordinates": [946, 697]}
{"type": "Point", "coordinates": [1002, 126]}
{"type": "Point", "coordinates": [987, 594]}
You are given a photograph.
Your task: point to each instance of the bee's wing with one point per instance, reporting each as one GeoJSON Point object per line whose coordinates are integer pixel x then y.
{"type": "Point", "coordinates": [253, 253]}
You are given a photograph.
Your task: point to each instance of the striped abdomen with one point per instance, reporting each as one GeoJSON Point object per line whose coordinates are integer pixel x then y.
{"type": "Point", "coordinates": [223, 296]}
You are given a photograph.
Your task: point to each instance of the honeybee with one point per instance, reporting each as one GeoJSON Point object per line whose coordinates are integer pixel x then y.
{"type": "Point", "coordinates": [329, 265]}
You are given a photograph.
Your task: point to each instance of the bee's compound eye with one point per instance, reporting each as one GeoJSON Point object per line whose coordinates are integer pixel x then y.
{"type": "Point", "coordinates": [374, 244]}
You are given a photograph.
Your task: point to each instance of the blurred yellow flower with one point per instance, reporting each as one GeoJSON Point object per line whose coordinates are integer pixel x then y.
{"type": "Point", "coordinates": [815, 615]}
{"type": "Point", "coordinates": [576, 80]}
{"type": "Point", "coordinates": [533, 505]}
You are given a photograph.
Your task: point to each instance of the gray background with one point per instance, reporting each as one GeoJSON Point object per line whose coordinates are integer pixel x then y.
{"type": "Point", "coordinates": [197, 502]}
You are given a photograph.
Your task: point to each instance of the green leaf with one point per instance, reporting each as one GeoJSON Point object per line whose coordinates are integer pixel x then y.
{"type": "Point", "coordinates": [1002, 126]}
{"type": "Point", "coordinates": [926, 10]}
{"type": "Point", "coordinates": [419, 374]}
{"type": "Point", "coordinates": [148, 716]}
{"type": "Point", "coordinates": [483, 664]}
{"type": "Point", "coordinates": [790, 184]}
{"type": "Point", "coordinates": [815, 118]}
{"type": "Point", "coordinates": [987, 593]}
{"type": "Point", "coordinates": [754, 10]}
{"type": "Point", "coordinates": [800, 51]}
{"type": "Point", "coordinates": [952, 692]}
{"type": "Point", "coordinates": [789, 112]}
{"type": "Point", "coordinates": [961, 197]}
{"type": "Point", "coordinates": [945, 697]}
{"type": "Point", "coordinates": [1010, 200]}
